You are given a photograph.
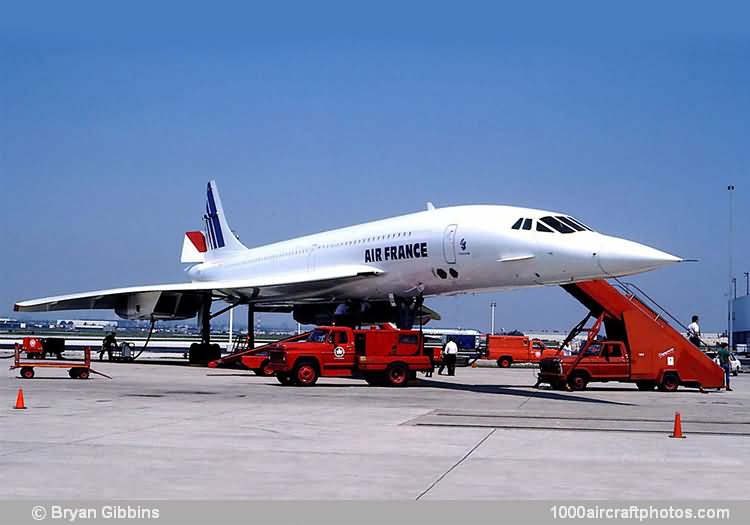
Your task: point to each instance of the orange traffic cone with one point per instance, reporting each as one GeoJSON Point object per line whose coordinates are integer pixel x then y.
{"type": "Point", "coordinates": [677, 432]}
{"type": "Point", "coordinates": [19, 400]}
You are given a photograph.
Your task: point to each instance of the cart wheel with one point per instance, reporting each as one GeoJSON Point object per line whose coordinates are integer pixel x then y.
{"type": "Point", "coordinates": [73, 373]}
{"type": "Point", "coordinates": [83, 373]}
{"type": "Point", "coordinates": [267, 369]}
{"type": "Point", "coordinates": [27, 372]}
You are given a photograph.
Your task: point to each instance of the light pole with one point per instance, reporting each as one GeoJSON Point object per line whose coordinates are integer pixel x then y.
{"type": "Point", "coordinates": [730, 327]}
{"type": "Point", "coordinates": [493, 304]}
{"type": "Point", "coordinates": [747, 283]}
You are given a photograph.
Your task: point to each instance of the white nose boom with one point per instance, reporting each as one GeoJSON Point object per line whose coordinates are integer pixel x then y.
{"type": "Point", "coordinates": [619, 257]}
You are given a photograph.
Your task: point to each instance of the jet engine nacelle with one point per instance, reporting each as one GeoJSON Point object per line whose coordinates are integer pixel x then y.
{"type": "Point", "coordinates": [166, 306]}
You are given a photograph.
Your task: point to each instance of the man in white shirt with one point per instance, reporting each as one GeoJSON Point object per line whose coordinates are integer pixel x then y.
{"type": "Point", "coordinates": [450, 351]}
{"type": "Point", "coordinates": [694, 332]}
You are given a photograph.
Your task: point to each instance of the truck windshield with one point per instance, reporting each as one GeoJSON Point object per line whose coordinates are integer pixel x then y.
{"type": "Point", "coordinates": [318, 336]}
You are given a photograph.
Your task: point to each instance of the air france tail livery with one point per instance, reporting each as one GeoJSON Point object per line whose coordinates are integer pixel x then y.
{"type": "Point", "coordinates": [377, 271]}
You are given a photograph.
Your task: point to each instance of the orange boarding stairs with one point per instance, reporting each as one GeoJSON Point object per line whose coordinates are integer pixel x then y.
{"type": "Point", "coordinates": [651, 341]}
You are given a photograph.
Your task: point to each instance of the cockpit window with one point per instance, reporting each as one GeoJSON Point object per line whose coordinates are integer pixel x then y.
{"type": "Point", "coordinates": [517, 225]}
{"type": "Point", "coordinates": [577, 227]}
{"type": "Point", "coordinates": [580, 224]}
{"type": "Point", "coordinates": [527, 224]}
{"type": "Point", "coordinates": [557, 225]}
{"type": "Point", "coordinates": [542, 228]}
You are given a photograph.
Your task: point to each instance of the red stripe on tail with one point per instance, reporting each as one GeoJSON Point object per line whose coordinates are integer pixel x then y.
{"type": "Point", "coordinates": [198, 240]}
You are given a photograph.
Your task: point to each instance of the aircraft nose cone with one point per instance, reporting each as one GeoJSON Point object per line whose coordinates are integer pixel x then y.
{"type": "Point", "coordinates": [620, 257]}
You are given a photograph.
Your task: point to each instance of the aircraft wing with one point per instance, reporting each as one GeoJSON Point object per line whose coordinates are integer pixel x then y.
{"type": "Point", "coordinates": [183, 301]}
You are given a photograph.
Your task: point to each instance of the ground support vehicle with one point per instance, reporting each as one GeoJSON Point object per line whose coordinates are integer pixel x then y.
{"type": "Point", "coordinates": [508, 349]}
{"type": "Point", "coordinates": [40, 348]}
{"type": "Point", "coordinates": [639, 346]}
{"type": "Point", "coordinates": [77, 369]}
{"type": "Point", "coordinates": [381, 355]}
{"type": "Point", "coordinates": [255, 359]}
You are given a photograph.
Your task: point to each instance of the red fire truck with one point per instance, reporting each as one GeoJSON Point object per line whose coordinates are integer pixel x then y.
{"type": "Point", "coordinates": [381, 355]}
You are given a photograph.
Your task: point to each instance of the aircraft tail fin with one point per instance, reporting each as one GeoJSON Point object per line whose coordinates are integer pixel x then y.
{"type": "Point", "coordinates": [193, 248]}
{"type": "Point", "coordinates": [220, 239]}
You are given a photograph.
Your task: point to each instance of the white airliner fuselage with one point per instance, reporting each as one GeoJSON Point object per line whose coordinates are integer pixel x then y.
{"type": "Point", "coordinates": [446, 251]}
{"type": "Point", "coordinates": [390, 263]}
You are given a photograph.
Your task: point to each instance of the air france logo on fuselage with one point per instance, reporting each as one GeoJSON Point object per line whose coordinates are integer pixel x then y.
{"type": "Point", "coordinates": [397, 252]}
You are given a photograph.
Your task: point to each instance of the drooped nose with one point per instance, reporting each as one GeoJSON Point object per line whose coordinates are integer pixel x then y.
{"type": "Point", "coordinates": [620, 257]}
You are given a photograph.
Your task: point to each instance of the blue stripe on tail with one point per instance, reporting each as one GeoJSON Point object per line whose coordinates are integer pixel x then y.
{"type": "Point", "coordinates": [217, 237]}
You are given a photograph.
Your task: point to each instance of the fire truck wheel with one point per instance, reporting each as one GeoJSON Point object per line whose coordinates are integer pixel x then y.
{"type": "Point", "coordinates": [578, 381]}
{"type": "Point", "coordinates": [284, 379]}
{"type": "Point", "coordinates": [83, 373]}
{"type": "Point", "coordinates": [305, 374]}
{"type": "Point", "coordinates": [669, 383]}
{"type": "Point", "coordinates": [397, 374]}
{"type": "Point", "coordinates": [645, 385]}
{"type": "Point", "coordinates": [504, 362]}
{"type": "Point", "coordinates": [27, 372]}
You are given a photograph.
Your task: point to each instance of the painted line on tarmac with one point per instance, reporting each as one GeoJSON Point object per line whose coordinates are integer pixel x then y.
{"type": "Point", "coordinates": [466, 456]}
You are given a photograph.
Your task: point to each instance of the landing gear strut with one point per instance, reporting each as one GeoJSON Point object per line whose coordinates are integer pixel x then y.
{"type": "Point", "coordinates": [204, 352]}
{"type": "Point", "coordinates": [407, 310]}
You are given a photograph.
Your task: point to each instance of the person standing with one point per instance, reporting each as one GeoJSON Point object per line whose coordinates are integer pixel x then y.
{"type": "Point", "coordinates": [724, 355]}
{"type": "Point", "coordinates": [109, 344]}
{"type": "Point", "coordinates": [694, 332]}
{"type": "Point", "coordinates": [450, 352]}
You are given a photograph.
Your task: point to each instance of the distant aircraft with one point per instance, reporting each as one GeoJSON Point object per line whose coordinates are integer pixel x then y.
{"type": "Point", "coordinates": [373, 272]}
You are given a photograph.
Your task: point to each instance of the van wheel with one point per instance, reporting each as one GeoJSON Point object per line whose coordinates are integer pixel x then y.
{"type": "Point", "coordinates": [645, 385]}
{"type": "Point", "coordinates": [305, 374]}
{"type": "Point", "coordinates": [397, 374]}
{"type": "Point", "coordinates": [504, 362]}
{"type": "Point", "coordinates": [669, 383]}
{"type": "Point", "coordinates": [578, 381]}
{"type": "Point", "coordinates": [285, 379]}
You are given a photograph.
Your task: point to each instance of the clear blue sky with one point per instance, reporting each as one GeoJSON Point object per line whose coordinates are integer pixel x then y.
{"type": "Point", "coordinates": [633, 117]}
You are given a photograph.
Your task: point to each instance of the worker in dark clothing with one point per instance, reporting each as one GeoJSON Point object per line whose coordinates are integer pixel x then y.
{"type": "Point", "coordinates": [109, 344]}
{"type": "Point", "coordinates": [724, 355]}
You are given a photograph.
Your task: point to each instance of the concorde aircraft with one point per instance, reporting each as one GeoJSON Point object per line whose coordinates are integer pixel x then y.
{"type": "Point", "coordinates": [373, 272]}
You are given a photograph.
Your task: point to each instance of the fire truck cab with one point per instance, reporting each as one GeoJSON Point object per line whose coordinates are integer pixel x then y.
{"type": "Point", "coordinates": [381, 355]}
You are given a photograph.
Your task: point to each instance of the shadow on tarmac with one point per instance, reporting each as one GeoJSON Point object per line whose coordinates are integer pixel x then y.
{"type": "Point", "coordinates": [509, 391]}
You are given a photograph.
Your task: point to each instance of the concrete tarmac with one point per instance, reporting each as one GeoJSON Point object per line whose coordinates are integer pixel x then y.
{"type": "Point", "coordinates": [195, 433]}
